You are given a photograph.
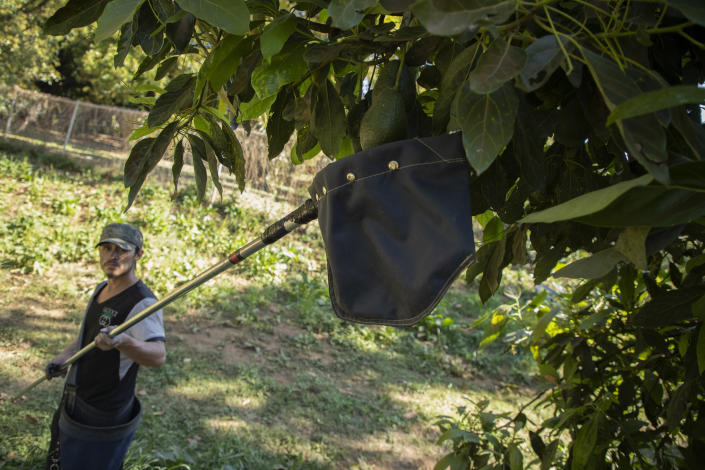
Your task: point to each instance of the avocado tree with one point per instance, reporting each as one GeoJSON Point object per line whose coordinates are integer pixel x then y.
{"type": "Point", "coordinates": [581, 122]}
{"type": "Point", "coordinates": [71, 65]}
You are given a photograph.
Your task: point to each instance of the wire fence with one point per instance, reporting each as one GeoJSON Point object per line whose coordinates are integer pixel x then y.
{"type": "Point", "coordinates": [100, 134]}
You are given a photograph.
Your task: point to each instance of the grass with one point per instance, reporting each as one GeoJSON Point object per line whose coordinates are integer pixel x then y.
{"type": "Point", "coordinates": [260, 373]}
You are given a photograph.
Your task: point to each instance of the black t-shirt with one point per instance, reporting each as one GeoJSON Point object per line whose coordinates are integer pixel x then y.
{"type": "Point", "coordinates": [99, 381]}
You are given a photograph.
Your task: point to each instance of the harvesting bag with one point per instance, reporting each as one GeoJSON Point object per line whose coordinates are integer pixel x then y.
{"type": "Point", "coordinates": [397, 228]}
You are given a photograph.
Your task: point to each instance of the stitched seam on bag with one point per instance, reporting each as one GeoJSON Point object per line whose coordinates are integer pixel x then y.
{"type": "Point", "coordinates": [330, 190]}
{"type": "Point", "coordinates": [436, 152]}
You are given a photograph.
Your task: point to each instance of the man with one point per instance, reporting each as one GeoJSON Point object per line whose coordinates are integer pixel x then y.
{"type": "Point", "coordinates": [99, 411]}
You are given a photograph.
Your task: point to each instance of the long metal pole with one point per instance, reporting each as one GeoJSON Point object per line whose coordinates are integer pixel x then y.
{"type": "Point", "coordinates": [304, 214]}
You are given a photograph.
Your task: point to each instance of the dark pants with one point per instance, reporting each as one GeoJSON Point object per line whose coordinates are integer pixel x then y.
{"type": "Point", "coordinates": [84, 437]}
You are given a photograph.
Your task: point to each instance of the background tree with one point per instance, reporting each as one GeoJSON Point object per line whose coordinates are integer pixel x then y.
{"type": "Point", "coordinates": [582, 125]}
{"type": "Point", "coordinates": [71, 65]}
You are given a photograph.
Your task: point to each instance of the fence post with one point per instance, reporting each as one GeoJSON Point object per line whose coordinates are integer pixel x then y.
{"type": "Point", "coordinates": [68, 133]}
{"type": "Point", "coordinates": [12, 114]}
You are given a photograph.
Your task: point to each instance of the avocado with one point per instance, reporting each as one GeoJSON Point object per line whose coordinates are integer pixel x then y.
{"type": "Point", "coordinates": [385, 120]}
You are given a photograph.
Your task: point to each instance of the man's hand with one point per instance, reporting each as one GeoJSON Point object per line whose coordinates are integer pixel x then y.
{"type": "Point", "coordinates": [53, 369]}
{"type": "Point", "coordinates": [105, 342]}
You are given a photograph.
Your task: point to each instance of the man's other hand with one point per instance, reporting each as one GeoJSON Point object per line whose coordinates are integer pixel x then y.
{"type": "Point", "coordinates": [105, 342]}
{"type": "Point", "coordinates": [53, 369]}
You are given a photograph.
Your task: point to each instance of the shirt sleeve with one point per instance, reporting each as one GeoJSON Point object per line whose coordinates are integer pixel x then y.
{"type": "Point", "coordinates": [150, 328]}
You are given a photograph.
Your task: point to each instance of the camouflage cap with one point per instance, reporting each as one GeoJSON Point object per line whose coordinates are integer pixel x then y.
{"type": "Point", "coordinates": [126, 236]}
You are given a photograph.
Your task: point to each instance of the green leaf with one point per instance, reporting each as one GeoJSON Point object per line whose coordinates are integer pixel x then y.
{"type": "Point", "coordinates": [452, 461]}
{"type": "Point", "coordinates": [198, 152]}
{"type": "Point", "coordinates": [276, 33]}
{"type": "Point", "coordinates": [516, 460]}
{"type": "Point", "coordinates": [144, 158]}
{"type": "Point", "coordinates": [235, 154]}
{"type": "Point", "coordinates": [179, 95]}
{"type": "Point", "coordinates": [541, 325]}
{"type": "Point", "coordinates": [692, 132]}
{"type": "Point", "coordinates": [544, 56]}
{"type": "Point", "coordinates": [650, 206]}
{"type": "Point", "coordinates": [548, 456]}
{"type": "Point", "coordinates": [279, 130]}
{"type": "Point", "coordinates": [160, 145]}
{"type": "Point", "coordinates": [200, 123]}
{"type": "Point", "coordinates": [632, 244]}
{"type": "Point", "coordinates": [75, 14]}
{"type": "Point", "coordinates": [216, 113]}
{"type": "Point", "coordinates": [178, 163]}
{"type": "Point", "coordinates": [147, 87]}
{"type": "Point", "coordinates": [255, 108]}
{"type": "Point", "coordinates": [653, 101]}
{"type": "Point", "coordinates": [321, 53]}
{"type": "Point", "coordinates": [124, 43]}
{"type": "Point", "coordinates": [689, 175]}
{"type": "Point", "coordinates": [346, 148]}
{"type": "Point", "coordinates": [487, 122]}
{"type": "Point", "coordinates": [677, 406]}
{"type": "Point", "coordinates": [537, 444]}
{"type": "Point", "coordinates": [145, 100]}
{"type": "Point", "coordinates": [232, 16]}
{"type": "Point", "coordinates": [700, 348]}
{"type": "Point", "coordinates": [668, 309]}
{"type": "Point", "coordinates": [115, 14]}
{"type": "Point", "coordinates": [586, 204]}
{"type": "Point", "coordinates": [485, 218]}
{"type": "Point", "coordinates": [165, 11]}
{"type": "Point", "coordinates": [500, 63]}
{"type": "Point", "coordinates": [592, 267]}
{"type": "Point", "coordinates": [284, 68]}
{"type": "Point", "coordinates": [328, 118]}
{"type": "Point", "coordinates": [213, 168]}
{"type": "Point", "coordinates": [694, 10]}
{"type": "Point", "coordinates": [452, 80]}
{"type": "Point", "coordinates": [180, 31]}
{"type": "Point", "coordinates": [142, 131]}
{"type": "Point", "coordinates": [305, 148]}
{"type": "Point", "coordinates": [150, 62]}
{"type": "Point", "coordinates": [528, 146]}
{"type": "Point", "coordinates": [493, 231]}
{"type": "Point", "coordinates": [347, 14]}
{"type": "Point", "coordinates": [452, 18]}
{"type": "Point", "coordinates": [643, 135]}
{"type": "Point", "coordinates": [597, 318]}
{"type": "Point", "coordinates": [148, 31]}
{"type": "Point", "coordinates": [492, 273]}
{"type": "Point", "coordinates": [135, 161]}
{"type": "Point", "coordinates": [165, 67]}
{"type": "Point", "coordinates": [584, 443]}
{"type": "Point", "coordinates": [694, 263]}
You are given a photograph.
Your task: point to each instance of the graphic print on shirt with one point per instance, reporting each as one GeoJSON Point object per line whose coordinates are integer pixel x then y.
{"type": "Point", "coordinates": [106, 317]}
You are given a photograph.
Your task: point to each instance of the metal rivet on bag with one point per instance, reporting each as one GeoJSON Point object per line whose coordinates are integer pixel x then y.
{"type": "Point", "coordinates": [324, 190]}
{"type": "Point", "coordinates": [393, 165]}
{"type": "Point", "coordinates": [350, 177]}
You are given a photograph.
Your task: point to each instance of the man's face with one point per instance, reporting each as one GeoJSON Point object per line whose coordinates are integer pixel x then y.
{"type": "Point", "coordinates": [117, 262]}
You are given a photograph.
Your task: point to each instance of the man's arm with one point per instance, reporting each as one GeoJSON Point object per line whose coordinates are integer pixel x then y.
{"type": "Point", "coordinates": [144, 353]}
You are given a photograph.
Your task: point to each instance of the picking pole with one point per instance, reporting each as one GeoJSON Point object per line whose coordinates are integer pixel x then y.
{"type": "Point", "coordinates": [301, 216]}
